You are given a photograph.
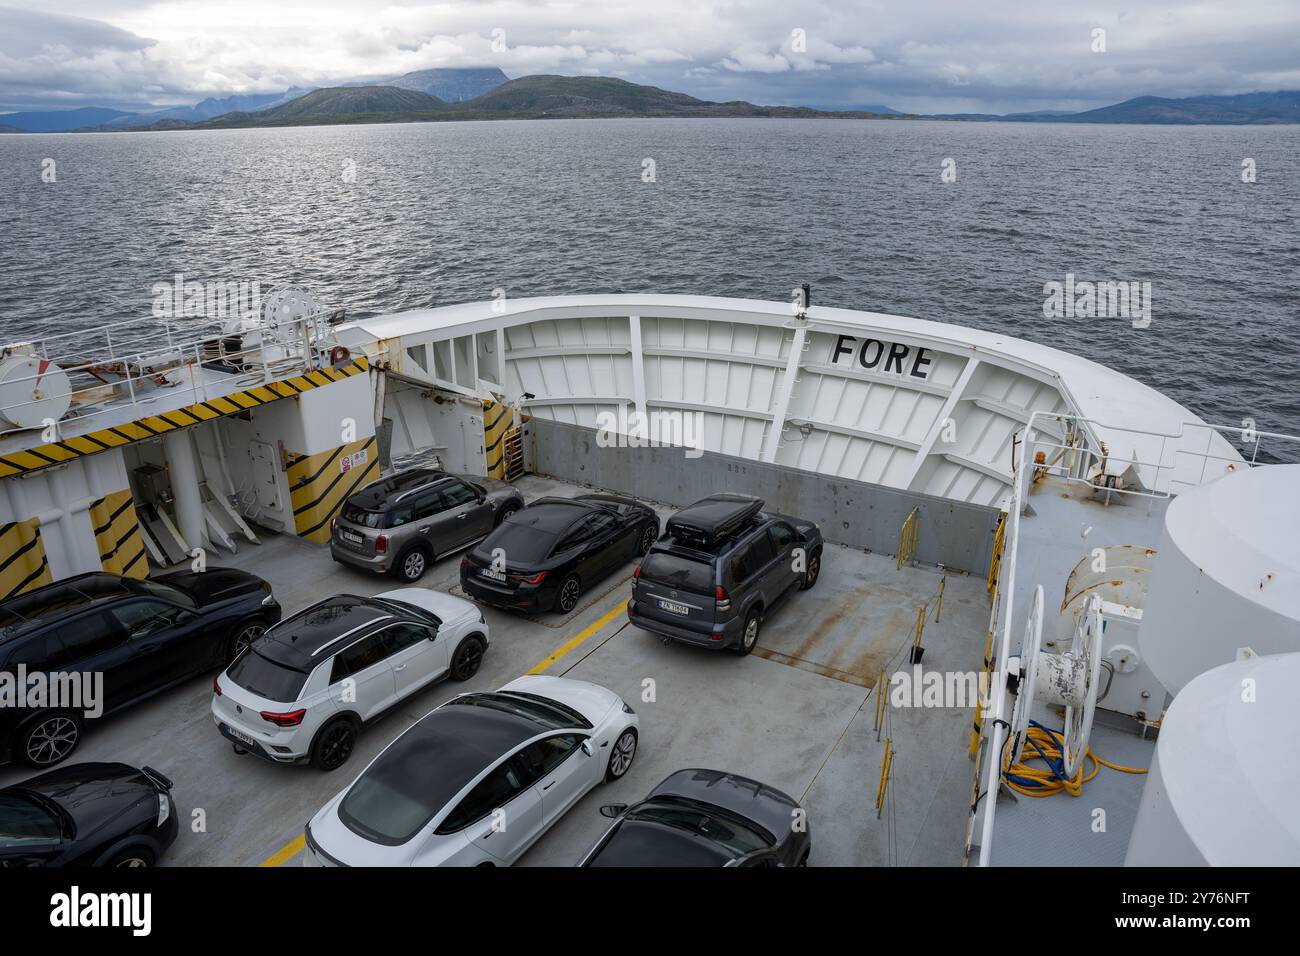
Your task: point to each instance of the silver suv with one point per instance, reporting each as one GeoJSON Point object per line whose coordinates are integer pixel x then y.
{"type": "Point", "coordinates": [401, 524]}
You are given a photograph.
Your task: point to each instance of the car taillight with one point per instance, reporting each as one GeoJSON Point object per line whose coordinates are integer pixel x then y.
{"type": "Point", "coordinates": [291, 719]}
{"type": "Point", "coordinates": [637, 573]}
{"type": "Point", "coordinates": [381, 544]}
{"type": "Point", "coordinates": [466, 564]}
{"type": "Point", "coordinates": [720, 596]}
{"type": "Point", "coordinates": [216, 686]}
{"type": "Point", "coordinates": [535, 579]}
{"type": "Point", "coordinates": [333, 522]}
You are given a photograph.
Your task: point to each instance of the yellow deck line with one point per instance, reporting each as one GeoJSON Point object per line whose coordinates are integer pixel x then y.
{"type": "Point", "coordinates": [286, 852]}
{"type": "Point", "coordinates": [575, 642]}
{"type": "Point", "coordinates": [295, 846]}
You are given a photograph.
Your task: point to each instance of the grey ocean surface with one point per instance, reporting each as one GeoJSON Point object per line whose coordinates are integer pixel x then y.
{"type": "Point", "coordinates": [446, 212]}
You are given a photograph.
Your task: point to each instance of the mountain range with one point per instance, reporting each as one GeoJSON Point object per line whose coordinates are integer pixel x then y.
{"type": "Point", "coordinates": [487, 93]}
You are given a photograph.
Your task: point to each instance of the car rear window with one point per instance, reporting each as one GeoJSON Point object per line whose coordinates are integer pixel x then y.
{"type": "Point", "coordinates": [266, 678]}
{"type": "Point", "coordinates": [522, 544]}
{"type": "Point", "coordinates": [677, 571]}
{"type": "Point", "coordinates": [360, 516]}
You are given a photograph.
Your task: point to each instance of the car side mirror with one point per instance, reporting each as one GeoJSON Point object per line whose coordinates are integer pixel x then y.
{"type": "Point", "coordinates": [612, 810]}
{"type": "Point", "coordinates": [587, 748]}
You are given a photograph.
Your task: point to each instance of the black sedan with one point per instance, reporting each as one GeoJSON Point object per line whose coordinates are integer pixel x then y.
{"type": "Point", "coordinates": [87, 814]}
{"type": "Point", "coordinates": [103, 642]}
{"type": "Point", "coordinates": [705, 818]}
{"type": "Point", "coordinates": [546, 555]}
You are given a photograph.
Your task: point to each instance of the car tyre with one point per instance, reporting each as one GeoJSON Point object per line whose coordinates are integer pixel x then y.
{"type": "Point", "coordinates": [245, 634]}
{"type": "Point", "coordinates": [133, 857]}
{"type": "Point", "coordinates": [467, 658]}
{"type": "Point", "coordinates": [648, 537]}
{"type": "Point", "coordinates": [506, 512]}
{"type": "Point", "coordinates": [566, 598]}
{"type": "Point", "coordinates": [412, 563]}
{"type": "Point", "coordinates": [749, 635]}
{"type": "Point", "coordinates": [621, 756]}
{"type": "Point", "coordinates": [49, 739]}
{"type": "Point", "coordinates": [334, 744]}
{"type": "Point", "coordinates": [813, 571]}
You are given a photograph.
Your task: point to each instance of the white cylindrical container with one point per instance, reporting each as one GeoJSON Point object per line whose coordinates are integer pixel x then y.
{"type": "Point", "coordinates": [1222, 788]}
{"type": "Point", "coordinates": [33, 391]}
{"type": "Point", "coordinates": [1227, 575]}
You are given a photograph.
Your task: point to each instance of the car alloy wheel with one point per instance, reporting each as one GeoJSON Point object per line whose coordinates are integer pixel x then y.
{"type": "Point", "coordinates": [469, 655]}
{"type": "Point", "coordinates": [336, 745]}
{"type": "Point", "coordinates": [624, 751]}
{"type": "Point", "coordinates": [506, 513]}
{"type": "Point", "coordinates": [245, 638]}
{"type": "Point", "coordinates": [647, 539]}
{"type": "Point", "coordinates": [569, 592]}
{"type": "Point", "coordinates": [413, 565]}
{"type": "Point", "coordinates": [813, 571]}
{"type": "Point", "coordinates": [52, 740]}
{"type": "Point", "coordinates": [749, 639]}
{"type": "Point", "coordinates": [131, 862]}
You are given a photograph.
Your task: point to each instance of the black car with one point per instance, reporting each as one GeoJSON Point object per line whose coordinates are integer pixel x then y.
{"type": "Point", "coordinates": [722, 566]}
{"type": "Point", "coordinates": [545, 555]}
{"type": "Point", "coordinates": [143, 636]}
{"type": "Point", "coordinates": [87, 814]}
{"type": "Point", "coordinates": [705, 818]}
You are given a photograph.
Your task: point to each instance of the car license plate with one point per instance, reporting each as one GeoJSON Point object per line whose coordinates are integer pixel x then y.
{"type": "Point", "coordinates": [240, 735]}
{"type": "Point", "coordinates": [352, 536]}
{"type": "Point", "coordinates": [672, 607]}
{"type": "Point", "coordinates": [492, 573]}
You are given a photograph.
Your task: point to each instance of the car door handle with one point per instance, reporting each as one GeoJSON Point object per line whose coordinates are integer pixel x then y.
{"type": "Point", "coordinates": [462, 516]}
{"type": "Point", "coordinates": [399, 667]}
{"type": "Point", "coordinates": [549, 785]}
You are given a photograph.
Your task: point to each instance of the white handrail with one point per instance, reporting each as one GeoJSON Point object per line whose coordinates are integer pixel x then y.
{"type": "Point", "coordinates": [1007, 575]}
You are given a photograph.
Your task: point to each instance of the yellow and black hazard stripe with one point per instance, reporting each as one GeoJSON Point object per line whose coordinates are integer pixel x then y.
{"type": "Point", "coordinates": [117, 534]}
{"type": "Point", "coordinates": [23, 564]}
{"type": "Point", "coordinates": [55, 453]}
{"type": "Point", "coordinates": [320, 483]}
{"type": "Point", "coordinates": [497, 420]}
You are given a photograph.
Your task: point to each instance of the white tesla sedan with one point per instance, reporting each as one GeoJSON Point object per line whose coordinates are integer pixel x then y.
{"type": "Point", "coordinates": [479, 779]}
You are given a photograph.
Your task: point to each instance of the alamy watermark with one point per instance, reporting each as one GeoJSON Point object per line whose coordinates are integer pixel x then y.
{"type": "Point", "coordinates": [61, 690]}
{"type": "Point", "coordinates": [205, 300]}
{"type": "Point", "coordinates": [629, 428]}
{"type": "Point", "coordinates": [1098, 300]}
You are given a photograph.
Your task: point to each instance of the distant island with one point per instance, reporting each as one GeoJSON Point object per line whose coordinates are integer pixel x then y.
{"type": "Point", "coordinates": [442, 95]}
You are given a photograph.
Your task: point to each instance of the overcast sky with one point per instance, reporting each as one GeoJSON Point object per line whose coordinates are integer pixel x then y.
{"type": "Point", "coordinates": [919, 55]}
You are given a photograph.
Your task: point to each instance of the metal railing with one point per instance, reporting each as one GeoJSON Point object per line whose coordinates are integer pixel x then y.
{"type": "Point", "coordinates": [1003, 611]}
{"type": "Point", "coordinates": [114, 378]}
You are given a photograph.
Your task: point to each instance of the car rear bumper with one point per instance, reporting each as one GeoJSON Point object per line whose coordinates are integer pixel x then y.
{"type": "Point", "coordinates": [377, 563]}
{"type": "Point", "coordinates": [269, 752]}
{"type": "Point", "coordinates": [723, 635]}
{"type": "Point", "coordinates": [530, 600]}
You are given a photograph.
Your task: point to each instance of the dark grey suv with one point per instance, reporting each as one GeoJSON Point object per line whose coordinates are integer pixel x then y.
{"type": "Point", "coordinates": [721, 567]}
{"type": "Point", "coordinates": [401, 524]}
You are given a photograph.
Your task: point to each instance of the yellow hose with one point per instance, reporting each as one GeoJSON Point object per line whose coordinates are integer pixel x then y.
{"type": "Point", "coordinates": [1043, 782]}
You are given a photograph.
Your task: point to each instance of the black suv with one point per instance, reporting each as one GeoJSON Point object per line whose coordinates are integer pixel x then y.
{"type": "Point", "coordinates": [722, 566]}
{"type": "Point", "coordinates": [143, 636]}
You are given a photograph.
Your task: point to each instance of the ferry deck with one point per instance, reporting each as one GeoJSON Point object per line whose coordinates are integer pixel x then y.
{"type": "Point", "coordinates": [798, 714]}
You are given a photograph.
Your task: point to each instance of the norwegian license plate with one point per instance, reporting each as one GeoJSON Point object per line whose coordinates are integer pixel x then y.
{"type": "Point", "coordinates": [493, 574]}
{"type": "Point", "coordinates": [352, 536]}
{"type": "Point", "coordinates": [672, 607]}
{"type": "Point", "coordinates": [240, 735]}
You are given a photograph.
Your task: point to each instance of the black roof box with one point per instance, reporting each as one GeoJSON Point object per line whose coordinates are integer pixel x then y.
{"type": "Point", "coordinates": [714, 518]}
